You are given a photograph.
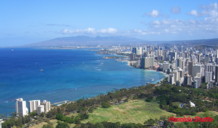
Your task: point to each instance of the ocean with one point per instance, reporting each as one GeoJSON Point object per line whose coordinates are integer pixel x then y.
{"type": "Point", "coordinates": [58, 75]}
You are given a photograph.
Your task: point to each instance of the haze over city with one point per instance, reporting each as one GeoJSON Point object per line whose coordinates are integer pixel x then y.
{"type": "Point", "coordinates": [24, 22]}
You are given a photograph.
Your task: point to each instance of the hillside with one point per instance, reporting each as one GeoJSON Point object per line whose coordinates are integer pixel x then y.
{"type": "Point", "coordinates": [116, 40]}
{"type": "Point", "coordinates": [134, 111]}
{"type": "Point", "coordinates": [86, 41]}
{"type": "Point", "coordinates": [129, 107]}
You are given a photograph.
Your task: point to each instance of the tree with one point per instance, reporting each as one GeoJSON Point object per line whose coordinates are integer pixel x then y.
{"type": "Point", "coordinates": [150, 122]}
{"type": "Point", "coordinates": [105, 105]}
{"type": "Point", "coordinates": [149, 98]}
{"type": "Point", "coordinates": [62, 125]}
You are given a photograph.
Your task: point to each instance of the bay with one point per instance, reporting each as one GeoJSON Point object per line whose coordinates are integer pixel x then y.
{"type": "Point", "coordinates": [58, 75]}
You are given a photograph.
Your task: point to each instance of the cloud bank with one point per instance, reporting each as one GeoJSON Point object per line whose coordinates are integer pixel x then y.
{"type": "Point", "coordinates": [90, 30]}
{"type": "Point", "coordinates": [201, 22]}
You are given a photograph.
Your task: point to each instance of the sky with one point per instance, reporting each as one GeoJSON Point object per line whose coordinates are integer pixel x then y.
{"type": "Point", "coordinates": [29, 21]}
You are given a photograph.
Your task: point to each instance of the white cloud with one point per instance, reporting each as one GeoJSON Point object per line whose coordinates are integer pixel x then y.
{"type": "Point", "coordinates": [194, 12]}
{"type": "Point", "coordinates": [90, 30]}
{"type": "Point", "coordinates": [145, 32]}
{"type": "Point", "coordinates": [210, 10]}
{"type": "Point", "coordinates": [108, 30]}
{"type": "Point", "coordinates": [72, 31]}
{"type": "Point", "coordinates": [154, 13]}
{"type": "Point", "coordinates": [203, 24]}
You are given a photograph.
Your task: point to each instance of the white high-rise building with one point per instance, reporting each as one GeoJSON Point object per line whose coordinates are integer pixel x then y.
{"type": "Point", "coordinates": [40, 109]}
{"type": "Point", "coordinates": [1, 121]}
{"type": "Point", "coordinates": [171, 78]}
{"type": "Point", "coordinates": [209, 67]}
{"type": "Point", "coordinates": [165, 66]}
{"type": "Point", "coordinates": [21, 109]}
{"type": "Point", "coordinates": [188, 80]}
{"type": "Point", "coordinates": [197, 80]}
{"type": "Point", "coordinates": [47, 105]}
{"type": "Point", "coordinates": [34, 104]}
{"type": "Point", "coordinates": [217, 53]}
{"type": "Point", "coordinates": [139, 51]}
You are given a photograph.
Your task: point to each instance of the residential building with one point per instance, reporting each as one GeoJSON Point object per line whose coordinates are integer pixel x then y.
{"type": "Point", "coordinates": [33, 105]}
{"type": "Point", "coordinates": [208, 76]}
{"type": "Point", "coordinates": [216, 74]}
{"type": "Point", "coordinates": [1, 121]}
{"type": "Point", "coordinates": [47, 105]}
{"type": "Point", "coordinates": [21, 108]}
{"type": "Point", "coordinates": [40, 109]}
{"type": "Point", "coordinates": [147, 62]}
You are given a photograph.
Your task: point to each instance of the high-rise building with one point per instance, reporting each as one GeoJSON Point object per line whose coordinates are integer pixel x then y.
{"type": "Point", "coordinates": [217, 53]}
{"type": "Point", "coordinates": [190, 66]}
{"type": "Point", "coordinates": [40, 109]}
{"type": "Point", "coordinates": [177, 75]}
{"type": "Point", "coordinates": [165, 66]}
{"type": "Point", "coordinates": [1, 121]}
{"type": "Point", "coordinates": [33, 105]}
{"type": "Point", "coordinates": [180, 63]}
{"type": "Point", "coordinates": [208, 76]}
{"type": "Point", "coordinates": [216, 74]}
{"type": "Point", "coordinates": [172, 56]}
{"type": "Point", "coordinates": [147, 62]}
{"type": "Point", "coordinates": [209, 67]}
{"type": "Point", "coordinates": [196, 69]}
{"type": "Point", "coordinates": [171, 78]}
{"type": "Point", "coordinates": [188, 80]}
{"type": "Point", "coordinates": [21, 109]}
{"type": "Point", "coordinates": [139, 51]}
{"type": "Point", "coordinates": [197, 81]}
{"type": "Point", "coordinates": [47, 105]}
{"type": "Point", "coordinates": [134, 50]}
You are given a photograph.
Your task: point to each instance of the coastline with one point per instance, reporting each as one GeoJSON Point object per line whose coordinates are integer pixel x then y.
{"type": "Point", "coordinates": [109, 90]}
{"type": "Point", "coordinates": [118, 60]}
{"type": "Point", "coordinates": [127, 62]}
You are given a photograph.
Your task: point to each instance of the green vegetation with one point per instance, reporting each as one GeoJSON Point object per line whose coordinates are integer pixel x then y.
{"type": "Point", "coordinates": [134, 111]}
{"type": "Point", "coordinates": [72, 119]}
{"type": "Point", "coordinates": [167, 95]}
{"type": "Point", "coordinates": [62, 125]}
{"type": "Point", "coordinates": [105, 105]}
{"type": "Point", "coordinates": [132, 108]}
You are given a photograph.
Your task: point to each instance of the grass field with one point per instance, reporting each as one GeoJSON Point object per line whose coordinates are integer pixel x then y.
{"type": "Point", "coordinates": [53, 122]}
{"type": "Point", "coordinates": [134, 111]}
{"type": "Point", "coordinates": [40, 125]}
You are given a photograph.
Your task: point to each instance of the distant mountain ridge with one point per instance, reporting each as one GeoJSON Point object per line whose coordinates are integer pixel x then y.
{"type": "Point", "coordinates": [116, 40]}
{"type": "Point", "coordinates": [88, 41]}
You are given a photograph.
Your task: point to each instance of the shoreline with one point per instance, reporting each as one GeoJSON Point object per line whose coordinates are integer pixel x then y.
{"type": "Point", "coordinates": [118, 60]}
{"type": "Point", "coordinates": [126, 62]}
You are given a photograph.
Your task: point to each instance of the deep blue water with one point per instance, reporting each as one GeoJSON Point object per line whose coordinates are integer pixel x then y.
{"type": "Point", "coordinates": [58, 75]}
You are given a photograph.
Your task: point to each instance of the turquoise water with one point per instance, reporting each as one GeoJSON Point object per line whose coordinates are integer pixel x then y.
{"type": "Point", "coordinates": [58, 75]}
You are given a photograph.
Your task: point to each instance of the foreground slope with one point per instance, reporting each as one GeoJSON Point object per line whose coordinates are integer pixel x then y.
{"type": "Point", "coordinates": [134, 111]}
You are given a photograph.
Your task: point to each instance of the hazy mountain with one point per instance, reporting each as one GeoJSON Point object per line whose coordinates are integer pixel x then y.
{"type": "Point", "coordinates": [116, 40]}
{"type": "Point", "coordinates": [86, 40]}
{"type": "Point", "coordinates": [206, 42]}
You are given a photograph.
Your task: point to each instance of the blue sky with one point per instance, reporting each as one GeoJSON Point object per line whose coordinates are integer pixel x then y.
{"type": "Point", "coordinates": [28, 21]}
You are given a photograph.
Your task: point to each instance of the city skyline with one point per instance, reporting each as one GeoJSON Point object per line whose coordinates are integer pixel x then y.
{"type": "Point", "coordinates": [26, 22]}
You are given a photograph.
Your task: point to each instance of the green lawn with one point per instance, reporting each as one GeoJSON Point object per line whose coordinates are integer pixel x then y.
{"type": "Point", "coordinates": [134, 111]}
